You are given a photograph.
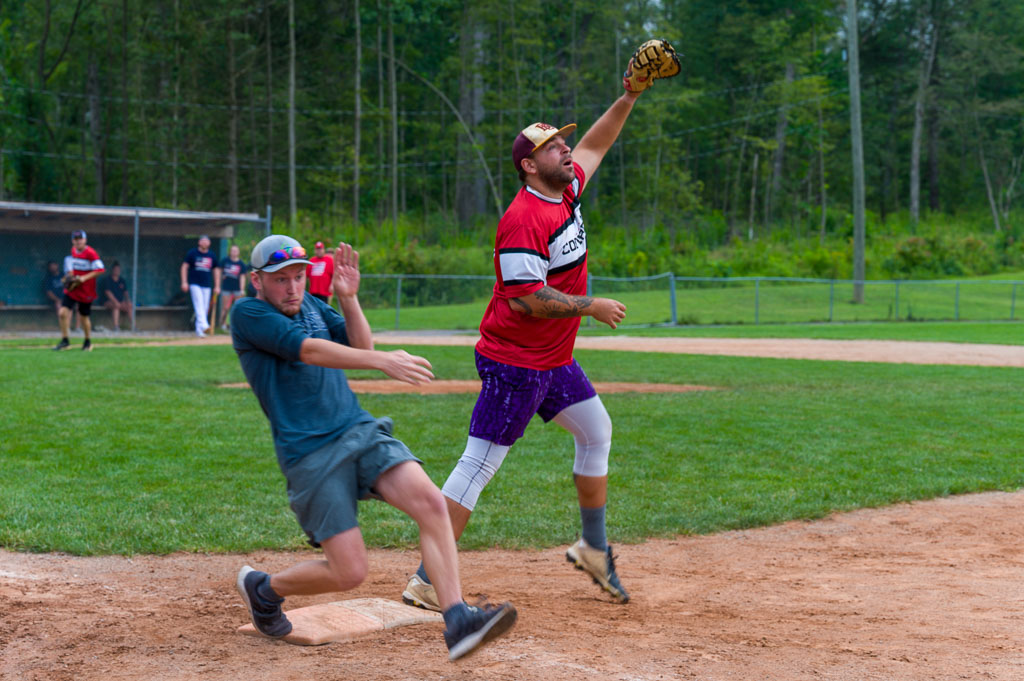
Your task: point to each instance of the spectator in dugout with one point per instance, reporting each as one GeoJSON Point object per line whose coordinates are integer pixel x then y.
{"type": "Point", "coordinates": [197, 280]}
{"type": "Point", "coordinates": [114, 294]}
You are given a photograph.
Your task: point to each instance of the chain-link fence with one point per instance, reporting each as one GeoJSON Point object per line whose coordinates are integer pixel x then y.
{"type": "Point", "coordinates": [423, 301]}
{"type": "Point", "coordinates": [457, 302]}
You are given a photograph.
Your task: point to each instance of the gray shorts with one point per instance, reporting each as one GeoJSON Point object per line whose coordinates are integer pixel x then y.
{"type": "Point", "coordinates": [325, 486]}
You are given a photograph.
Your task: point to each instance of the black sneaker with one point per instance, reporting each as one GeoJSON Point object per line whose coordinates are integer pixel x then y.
{"type": "Point", "coordinates": [63, 345]}
{"type": "Point", "coordinates": [266, 616]}
{"type": "Point", "coordinates": [477, 626]}
{"type": "Point", "coordinates": [87, 346]}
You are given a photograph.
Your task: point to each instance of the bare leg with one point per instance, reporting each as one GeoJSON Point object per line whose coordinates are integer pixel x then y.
{"type": "Point", "coordinates": [64, 317]}
{"type": "Point", "coordinates": [408, 488]}
{"type": "Point", "coordinates": [344, 569]}
{"type": "Point", "coordinates": [459, 515]}
{"type": "Point", "coordinates": [592, 491]}
{"type": "Point", "coordinates": [86, 326]}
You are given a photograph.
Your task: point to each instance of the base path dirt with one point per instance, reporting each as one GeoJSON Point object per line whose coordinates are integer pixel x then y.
{"type": "Point", "coordinates": [905, 352]}
{"type": "Point", "coordinates": [909, 352]}
{"type": "Point", "coordinates": [927, 591]}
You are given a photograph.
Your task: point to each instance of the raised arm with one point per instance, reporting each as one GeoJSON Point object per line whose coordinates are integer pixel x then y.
{"type": "Point", "coordinates": [345, 284]}
{"type": "Point", "coordinates": [590, 150]}
{"type": "Point", "coordinates": [652, 60]}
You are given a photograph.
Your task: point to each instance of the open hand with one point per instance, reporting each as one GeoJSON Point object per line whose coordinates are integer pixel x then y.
{"type": "Point", "coordinates": [401, 366]}
{"type": "Point", "coordinates": [346, 271]}
{"type": "Point", "coordinates": [609, 311]}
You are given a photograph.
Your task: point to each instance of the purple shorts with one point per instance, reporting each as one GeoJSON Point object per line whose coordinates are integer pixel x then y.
{"type": "Point", "coordinates": [510, 396]}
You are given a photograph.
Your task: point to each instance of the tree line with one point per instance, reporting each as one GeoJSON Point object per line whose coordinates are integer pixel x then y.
{"type": "Point", "coordinates": [395, 118]}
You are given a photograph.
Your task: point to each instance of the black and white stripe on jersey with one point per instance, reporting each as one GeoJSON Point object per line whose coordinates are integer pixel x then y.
{"type": "Point", "coordinates": [565, 225]}
{"type": "Point", "coordinates": [567, 250]}
{"type": "Point", "coordinates": [522, 266]}
{"type": "Point", "coordinates": [569, 266]}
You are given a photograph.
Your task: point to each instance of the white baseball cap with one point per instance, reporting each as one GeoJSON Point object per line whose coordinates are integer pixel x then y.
{"type": "Point", "coordinates": [277, 251]}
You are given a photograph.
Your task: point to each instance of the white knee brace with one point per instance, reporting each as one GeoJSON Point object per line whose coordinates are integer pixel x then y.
{"type": "Point", "coordinates": [475, 468]}
{"type": "Point", "coordinates": [591, 428]}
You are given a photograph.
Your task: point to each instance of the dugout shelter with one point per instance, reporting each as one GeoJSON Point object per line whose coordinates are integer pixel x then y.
{"type": "Point", "coordinates": [149, 244]}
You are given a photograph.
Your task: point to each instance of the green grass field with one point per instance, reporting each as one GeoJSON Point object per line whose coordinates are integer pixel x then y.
{"type": "Point", "coordinates": [137, 450]}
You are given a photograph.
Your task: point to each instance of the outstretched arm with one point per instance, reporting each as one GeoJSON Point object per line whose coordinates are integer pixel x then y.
{"type": "Point", "coordinates": [602, 134]}
{"type": "Point", "coordinates": [397, 364]}
{"type": "Point", "coordinates": [550, 303]}
{"type": "Point", "coordinates": [654, 59]}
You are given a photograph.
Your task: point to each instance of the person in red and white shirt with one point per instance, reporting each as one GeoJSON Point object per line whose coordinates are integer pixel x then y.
{"type": "Point", "coordinates": [320, 273]}
{"type": "Point", "coordinates": [524, 356]}
{"type": "Point", "coordinates": [85, 265]}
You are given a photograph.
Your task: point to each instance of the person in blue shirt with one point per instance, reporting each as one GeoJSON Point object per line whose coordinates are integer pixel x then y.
{"type": "Point", "coordinates": [293, 350]}
{"type": "Point", "coordinates": [114, 295]}
{"type": "Point", "coordinates": [53, 285]}
{"type": "Point", "coordinates": [232, 282]}
{"type": "Point", "coordinates": [197, 280]}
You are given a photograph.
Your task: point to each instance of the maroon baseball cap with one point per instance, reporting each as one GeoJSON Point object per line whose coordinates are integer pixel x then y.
{"type": "Point", "coordinates": [319, 244]}
{"type": "Point", "coordinates": [533, 137]}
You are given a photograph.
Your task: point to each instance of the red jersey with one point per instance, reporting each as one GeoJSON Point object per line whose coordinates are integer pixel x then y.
{"type": "Point", "coordinates": [320, 274]}
{"type": "Point", "coordinates": [83, 262]}
{"type": "Point", "coordinates": [540, 242]}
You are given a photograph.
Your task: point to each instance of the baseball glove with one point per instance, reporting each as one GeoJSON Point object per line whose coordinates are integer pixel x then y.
{"type": "Point", "coordinates": [71, 281]}
{"type": "Point", "coordinates": [654, 59]}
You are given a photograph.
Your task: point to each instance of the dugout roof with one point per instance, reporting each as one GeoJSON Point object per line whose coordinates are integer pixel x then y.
{"type": "Point", "coordinates": [50, 218]}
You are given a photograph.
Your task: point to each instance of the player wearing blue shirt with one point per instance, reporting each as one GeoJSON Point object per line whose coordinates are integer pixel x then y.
{"type": "Point", "coordinates": [293, 350]}
{"type": "Point", "coordinates": [232, 282]}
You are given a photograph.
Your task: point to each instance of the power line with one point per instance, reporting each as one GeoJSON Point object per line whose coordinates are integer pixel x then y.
{"type": "Point", "coordinates": [321, 111]}
{"type": "Point", "coordinates": [733, 121]}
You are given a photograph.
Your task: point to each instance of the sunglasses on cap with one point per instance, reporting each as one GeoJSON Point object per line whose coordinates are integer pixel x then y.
{"type": "Point", "coordinates": [286, 253]}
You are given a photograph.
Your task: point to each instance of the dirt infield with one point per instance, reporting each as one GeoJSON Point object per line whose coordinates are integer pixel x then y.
{"type": "Point", "coordinates": [929, 591]}
{"type": "Point", "coordinates": [932, 590]}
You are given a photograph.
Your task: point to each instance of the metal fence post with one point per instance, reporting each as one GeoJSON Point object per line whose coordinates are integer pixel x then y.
{"type": "Point", "coordinates": [268, 222]}
{"type": "Point", "coordinates": [757, 300]}
{"type": "Point", "coordinates": [135, 271]}
{"type": "Point", "coordinates": [831, 297]}
{"type": "Point", "coordinates": [896, 304]}
{"type": "Point", "coordinates": [672, 295]}
{"type": "Point", "coordinates": [398, 300]}
{"type": "Point", "coordinates": [956, 308]}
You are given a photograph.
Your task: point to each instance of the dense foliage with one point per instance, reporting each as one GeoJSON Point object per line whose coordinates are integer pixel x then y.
{"type": "Point", "coordinates": [189, 104]}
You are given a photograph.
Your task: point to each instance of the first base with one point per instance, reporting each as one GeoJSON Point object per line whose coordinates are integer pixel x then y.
{"type": "Point", "coordinates": [316, 625]}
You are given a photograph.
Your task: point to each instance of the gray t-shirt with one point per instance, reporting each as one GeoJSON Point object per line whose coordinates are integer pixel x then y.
{"type": "Point", "coordinates": [308, 406]}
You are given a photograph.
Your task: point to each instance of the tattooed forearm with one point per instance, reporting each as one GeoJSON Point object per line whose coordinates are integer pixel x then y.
{"type": "Point", "coordinates": [558, 305]}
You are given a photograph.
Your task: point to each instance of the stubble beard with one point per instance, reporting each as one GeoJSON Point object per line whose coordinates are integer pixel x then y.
{"type": "Point", "coordinates": [557, 177]}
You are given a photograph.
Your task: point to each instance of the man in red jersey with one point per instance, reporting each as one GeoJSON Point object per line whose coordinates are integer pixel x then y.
{"type": "Point", "coordinates": [524, 356]}
{"type": "Point", "coordinates": [80, 290]}
{"type": "Point", "coordinates": [320, 273]}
